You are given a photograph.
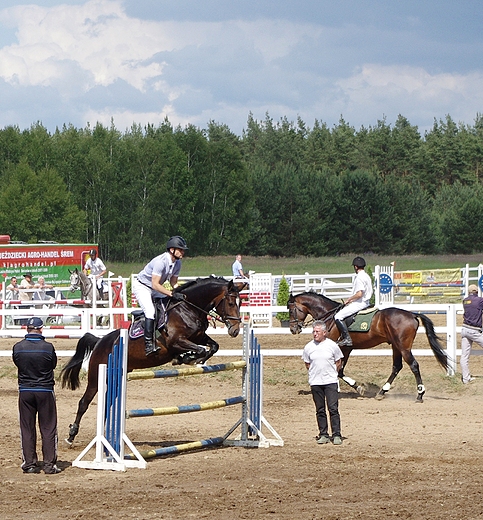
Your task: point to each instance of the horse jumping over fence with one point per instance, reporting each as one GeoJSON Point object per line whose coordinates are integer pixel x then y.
{"type": "Point", "coordinates": [182, 340]}
{"type": "Point", "coordinates": [392, 325]}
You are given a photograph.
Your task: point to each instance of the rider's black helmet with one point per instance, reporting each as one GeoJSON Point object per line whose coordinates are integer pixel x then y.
{"type": "Point", "coordinates": [359, 262]}
{"type": "Point", "coordinates": [93, 252]}
{"type": "Point", "coordinates": [176, 242]}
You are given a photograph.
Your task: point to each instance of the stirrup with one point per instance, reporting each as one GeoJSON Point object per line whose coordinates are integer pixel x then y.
{"type": "Point", "coordinates": [345, 342]}
{"type": "Point", "coordinates": [151, 349]}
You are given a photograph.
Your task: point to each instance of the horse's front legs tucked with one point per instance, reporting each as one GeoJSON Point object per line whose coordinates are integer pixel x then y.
{"type": "Point", "coordinates": [196, 353]}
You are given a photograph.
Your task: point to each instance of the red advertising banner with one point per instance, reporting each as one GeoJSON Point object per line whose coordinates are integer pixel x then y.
{"type": "Point", "coordinates": [52, 261]}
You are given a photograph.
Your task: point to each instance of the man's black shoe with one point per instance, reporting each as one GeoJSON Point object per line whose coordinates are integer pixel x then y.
{"type": "Point", "coordinates": [53, 471]}
{"type": "Point", "coordinates": [35, 469]}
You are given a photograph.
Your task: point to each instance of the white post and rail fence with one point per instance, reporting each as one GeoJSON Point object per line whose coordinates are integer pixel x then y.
{"type": "Point", "coordinates": [437, 292]}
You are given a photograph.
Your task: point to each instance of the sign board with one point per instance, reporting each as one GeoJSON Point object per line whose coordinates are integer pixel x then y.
{"type": "Point", "coordinates": [52, 261]}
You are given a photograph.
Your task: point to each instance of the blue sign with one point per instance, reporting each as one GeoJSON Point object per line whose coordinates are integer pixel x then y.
{"type": "Point", "coordinates": [480, 283]}
{"type": "Point", "coordinates": [385, 283]}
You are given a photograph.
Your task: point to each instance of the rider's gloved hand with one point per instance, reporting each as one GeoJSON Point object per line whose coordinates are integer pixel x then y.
{"type": "Point", "coordinates": [178, 297]}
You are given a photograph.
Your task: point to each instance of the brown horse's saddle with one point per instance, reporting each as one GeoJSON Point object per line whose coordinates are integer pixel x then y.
{"type": "Point", "coordinates": [136, 329]}
{"type": "Point", "coordinates": [362, 320]}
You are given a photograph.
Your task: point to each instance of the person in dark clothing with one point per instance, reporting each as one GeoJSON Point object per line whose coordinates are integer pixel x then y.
{"type": "Point", "coordinates": [471, 331]}
{"type": "Point", "coordinates": [36, 360]}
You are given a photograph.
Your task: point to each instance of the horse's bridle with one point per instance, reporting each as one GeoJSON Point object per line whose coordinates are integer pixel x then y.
{"type": "Point", "coordinates": [223, 317]}
{"type": "Point", "coordinates": [294, 310]}
{"type": "Point", "coordinates": [77, 286]}
{"type": "Point", "coordinates": [300, 324]}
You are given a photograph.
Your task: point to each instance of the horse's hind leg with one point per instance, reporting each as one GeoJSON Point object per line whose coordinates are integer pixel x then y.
{"type": "Point", "coordinates": [84, 403]}
{"type": "Point", "coordinates": [414, 366]}
{"type": "Point", "coordinates": [396, 368]}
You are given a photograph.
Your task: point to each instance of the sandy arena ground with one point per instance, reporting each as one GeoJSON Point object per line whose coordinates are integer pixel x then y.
{"type": "Point", "coordinates": [399, 459]}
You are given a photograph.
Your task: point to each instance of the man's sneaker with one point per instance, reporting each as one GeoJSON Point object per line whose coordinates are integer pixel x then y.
{"type": "Point", "coordinates": [470, 380]}
{"type": "Point", "coordinates": [322, 439]}
{"type": "Point", "coordinates": [34, 469]}
{"type": "Point", "coordinates": [52, 471]}
{"type": "Point", "coordinates": [337, 440]}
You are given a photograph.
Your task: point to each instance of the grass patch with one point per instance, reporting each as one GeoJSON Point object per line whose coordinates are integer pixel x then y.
{"type": "Point", "coordinates": [221, 265]}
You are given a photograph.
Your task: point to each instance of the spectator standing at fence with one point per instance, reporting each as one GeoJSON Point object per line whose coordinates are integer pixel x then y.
{"type": "Point", "coordinates": [36, 360]}
{"type": "Point", "coordinates": [237, 268]}
{"type": "Point", "coordinates": [471, 331]}
{"type": "Point", "coordinates": [12, 289]}
{"type": "Point", "coordinates": [359, 300]}
{"type": "Point", "coordinates": [323, 360]}
{"type": "Point", "coordinates": [26, 283]}
{"type": "Point", "coordinates": [95, 267]}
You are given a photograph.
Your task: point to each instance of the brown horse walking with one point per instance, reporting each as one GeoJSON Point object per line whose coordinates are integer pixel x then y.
{"type": "Point", "coordinates": [182, 340]}
{"type": "Point", "coordinates": [394, 326]}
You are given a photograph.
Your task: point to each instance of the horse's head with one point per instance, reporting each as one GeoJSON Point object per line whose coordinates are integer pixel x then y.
{"type": "Point", "coordinates": [74, 280]}
{"type": "Point", "coordinates": [229, 309]}
{"type": "Point", "coordinates": [317, 305]}
{"type": "Point", "coordinates": [297, 313]}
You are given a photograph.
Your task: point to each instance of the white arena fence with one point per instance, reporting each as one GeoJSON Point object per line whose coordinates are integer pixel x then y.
{"type": "Point", "coordinates": [64, 320]}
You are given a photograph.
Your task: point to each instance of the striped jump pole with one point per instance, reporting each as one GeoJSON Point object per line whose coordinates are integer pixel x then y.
{"type": "Point", "coordinates": [180, 448]}
{"type": "Point", "coordinates": [111, 439]}
{"type": "Point", "coordinates": [173, 410]}
{"type": "Point", "coordinates": [188, 371]}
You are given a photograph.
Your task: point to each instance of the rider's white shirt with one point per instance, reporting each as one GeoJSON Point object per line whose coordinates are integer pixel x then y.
{"type": "Point", "coordinates": [96, 266]}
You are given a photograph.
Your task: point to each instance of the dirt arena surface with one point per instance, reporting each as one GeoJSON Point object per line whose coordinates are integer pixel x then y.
{"type": "Point", "coordinates": [399, 459]}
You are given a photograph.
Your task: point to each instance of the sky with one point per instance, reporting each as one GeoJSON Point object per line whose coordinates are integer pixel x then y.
{"type": "Point", "coordinates": [79, 62]}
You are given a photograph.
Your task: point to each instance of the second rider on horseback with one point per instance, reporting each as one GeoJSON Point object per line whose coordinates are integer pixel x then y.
{"type": "Point", "coordinates": [359, 300]}
{"type": "Point", "coordinates": [149, 285]}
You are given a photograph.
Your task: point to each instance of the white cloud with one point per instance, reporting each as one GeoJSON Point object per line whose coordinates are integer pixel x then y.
{"type": "Point", "coordinates": [99, 63]}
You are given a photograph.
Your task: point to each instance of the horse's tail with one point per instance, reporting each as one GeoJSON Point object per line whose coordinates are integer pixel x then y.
{"type": "Point", "coordinates": [434, 340]}
{"type": "Point", "coordinates": [70, 373]}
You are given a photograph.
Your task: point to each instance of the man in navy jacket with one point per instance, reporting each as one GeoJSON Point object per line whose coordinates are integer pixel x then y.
{"type": "Point", "coordinates": [36, 360]}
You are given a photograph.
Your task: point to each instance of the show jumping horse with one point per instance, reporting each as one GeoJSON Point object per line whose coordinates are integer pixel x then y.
{"type": "Point", "coordinates": [82, 282]}
{"type": "Point", "coordinates": [392, 325]}
{"type": "Point", "coordinates": [182, 340]}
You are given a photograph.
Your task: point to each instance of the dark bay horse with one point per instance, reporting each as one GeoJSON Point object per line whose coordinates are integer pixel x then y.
{"type": "Point", "coordinates": [182, 340]}
{"type": "Point", "coordinates": [392, 325]}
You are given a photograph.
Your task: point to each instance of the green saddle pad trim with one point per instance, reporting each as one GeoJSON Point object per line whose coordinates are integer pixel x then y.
{"type": "Point", "coordinates": [363, 321]}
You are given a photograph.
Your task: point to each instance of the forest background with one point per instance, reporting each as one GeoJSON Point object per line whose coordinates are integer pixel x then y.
{"type": "Point", "coordinates": [280, 189]}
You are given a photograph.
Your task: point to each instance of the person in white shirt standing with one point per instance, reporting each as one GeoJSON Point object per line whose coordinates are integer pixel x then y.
{"type": "Point", "coordinates": [237, 268]}
{"type": "Point", "coordinates": [323, 359]}
{"type": "Point", "coordinates": [95, 266]}
{"type": "Point", "coordinates": [359, 300]}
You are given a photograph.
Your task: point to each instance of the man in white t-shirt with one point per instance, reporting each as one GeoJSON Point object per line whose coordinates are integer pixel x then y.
{"type": "Point", "coordinates": [323, 359]}
{"type": "Point", "coordinates": [360, 299]}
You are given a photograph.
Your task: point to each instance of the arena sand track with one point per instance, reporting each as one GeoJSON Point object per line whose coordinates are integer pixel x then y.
{"type": "Point", "coordinates": [399, 459]}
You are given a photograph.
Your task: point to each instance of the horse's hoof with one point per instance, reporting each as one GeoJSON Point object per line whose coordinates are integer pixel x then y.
{"type": "Point", "coordinates": [419, 399]}
{"type": "Point", "coordinates": [69, 443]}
{"type": "Point", "coordinates": [361, 390]}
{"type": "Point", "coordinates": [380, 396]}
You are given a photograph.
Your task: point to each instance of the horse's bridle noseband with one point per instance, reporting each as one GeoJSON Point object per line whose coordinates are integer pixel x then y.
{"type": "Point", "coordinates": [213, 313]}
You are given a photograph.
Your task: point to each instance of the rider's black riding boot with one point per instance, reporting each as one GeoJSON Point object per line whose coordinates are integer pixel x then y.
{"type": "Point", "coordinates": [149, 340]}
{"type": "Point", "coordinates": [345, 340]}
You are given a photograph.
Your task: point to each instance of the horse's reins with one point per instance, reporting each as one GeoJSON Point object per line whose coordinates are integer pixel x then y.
{"type": "Point", "coordinates": [211, 313]}
{"type": "Point", "coordinates": [325, 317]}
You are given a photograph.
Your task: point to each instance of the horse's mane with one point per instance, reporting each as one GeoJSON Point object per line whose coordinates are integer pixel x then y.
{"type": "Point", "coordinates": [200, 282]}
{"type": "Point", "coordinates": [313, 294]}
